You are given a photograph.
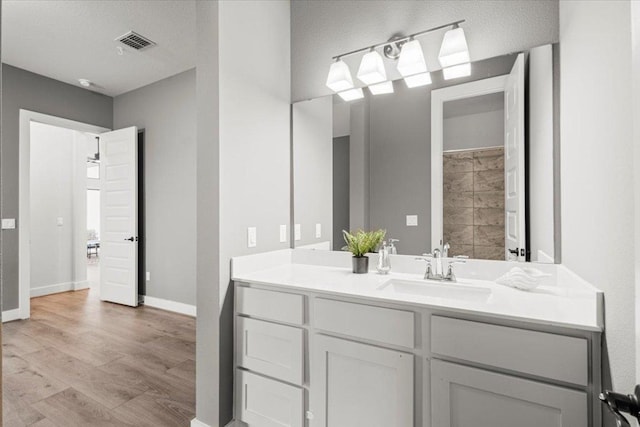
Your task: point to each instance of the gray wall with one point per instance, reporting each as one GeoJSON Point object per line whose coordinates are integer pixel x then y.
{"type": "Point", "coordinates": [52, 196]}
{"type": "Point", "coordinates": [340, 190]}
{"type": "Point", "coordinates": [312, 172]}
{"type": "Point", "coordinates": [597, 153]}
{"type": "Point", "coordinates": [208, 216]}
{"type": "Point", "coordinates": [29, 91]}
{"type": "Point", "coordinates": [401, 166]}
{"type": "Point", "coordinates": [254, 102]}
{"type": "Point", "coordinates": [166, 110]}
{"type": "Point", "coordinates": [479, 130]}
{"type": "Point", "coordinates": [322, 29]}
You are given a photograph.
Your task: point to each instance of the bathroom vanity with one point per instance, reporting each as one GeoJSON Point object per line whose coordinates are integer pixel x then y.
{"type": "Point", "coordinates": [316, 345]}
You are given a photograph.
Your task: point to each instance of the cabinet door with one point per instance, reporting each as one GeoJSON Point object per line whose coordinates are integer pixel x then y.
{"type": "Point", "coordinates": [469, 397]}
{"type": "Point", "coordinates": [358, 385]}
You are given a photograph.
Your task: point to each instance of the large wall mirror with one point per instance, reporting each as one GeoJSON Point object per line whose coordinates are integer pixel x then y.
{"type": "Point", "coordinates": [467, 163]}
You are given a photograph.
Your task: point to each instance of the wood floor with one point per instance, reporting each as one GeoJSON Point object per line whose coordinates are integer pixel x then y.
{"type": "Point", "coordinates": [82, 362]}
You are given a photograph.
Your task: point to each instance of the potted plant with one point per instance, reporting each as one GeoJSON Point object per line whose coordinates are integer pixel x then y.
{"type": "Point", "coordinates": [359, 244]}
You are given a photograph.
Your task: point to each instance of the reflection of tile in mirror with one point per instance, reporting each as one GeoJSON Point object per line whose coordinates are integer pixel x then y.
{"type": "Point", "coordinates": [488, 235]}
{"type": "Point", "coordinates": [489, 180]}
{"type": "Point", "coordinates": [460, 234]}
{"type": "Point", "coordinates": [489, 252]}
{"type": "Point", "coordinates": [461, 216]}
{"type": "Point", "coordinates": [457, 162]}
{"type": "Point", "coordinates": [488, 216]}
{"type": "Point", "coordinates": [488, 199]}
{"type": "Point", "coordinates": [456, 250]}
{"type": "Point", "coordinates": [488, 159]}
{"type": "Point", "coordinates": [458, 182]}
{"type": "Point", "coordinates": [458, 200]}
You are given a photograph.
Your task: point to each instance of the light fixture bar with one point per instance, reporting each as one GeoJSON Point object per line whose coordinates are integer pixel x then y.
{"type": "Point", "coordinates": [400, 40]}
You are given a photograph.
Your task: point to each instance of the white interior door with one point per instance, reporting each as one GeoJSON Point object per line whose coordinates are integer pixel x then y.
{"type": "Point", "coordinates": [514, 149]}
{"type": "Point", "coordinates": [119, 216]}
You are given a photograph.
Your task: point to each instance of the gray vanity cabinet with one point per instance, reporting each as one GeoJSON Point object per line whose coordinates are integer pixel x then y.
{"type": "Point", "coordinates": [356, 384]}
{"type": "Point", "coordinates": [462, 396]}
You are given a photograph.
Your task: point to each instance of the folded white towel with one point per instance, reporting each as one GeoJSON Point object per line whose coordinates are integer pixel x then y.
{"type": "Point", "coordinates": [525, 279]}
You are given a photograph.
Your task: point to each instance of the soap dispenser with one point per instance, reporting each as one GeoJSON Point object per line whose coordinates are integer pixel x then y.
{"type": "Point", "coordinates": [384, 261]}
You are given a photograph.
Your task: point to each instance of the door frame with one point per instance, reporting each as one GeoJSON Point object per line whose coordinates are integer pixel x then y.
{"type": "Point", "coordinates": [438, 98]}
{"type": "Point", "coordinates": [24, 191]}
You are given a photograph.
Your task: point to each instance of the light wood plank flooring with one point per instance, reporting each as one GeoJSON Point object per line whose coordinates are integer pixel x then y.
{"type": "Point", "coordinates": [82, 362]}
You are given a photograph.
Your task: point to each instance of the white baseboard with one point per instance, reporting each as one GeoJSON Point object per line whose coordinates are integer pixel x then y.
{"type": "Point", "coordinates": [9, 315]}
{"type": "Point", "coordinates": [51, 289]}
{"type": "Point", "coordinates": [78, 286]}
{"type": "Point", "coordinates": [176, 307]}
{"type": "Point", "coordinates": [196, 423]}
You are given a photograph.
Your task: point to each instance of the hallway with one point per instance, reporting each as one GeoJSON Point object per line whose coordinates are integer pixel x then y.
{"type": "Point", "coordinates": [80, 361]}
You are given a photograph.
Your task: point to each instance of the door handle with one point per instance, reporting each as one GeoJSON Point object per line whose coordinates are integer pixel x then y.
{"type": "Point", "coordinates": [514, 251]}
{"type": "Point", "coordinates": [132, 239]}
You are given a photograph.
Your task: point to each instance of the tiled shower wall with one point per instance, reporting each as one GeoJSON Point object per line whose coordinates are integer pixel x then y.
{"type": "Point", "coordinates": [474, 203]}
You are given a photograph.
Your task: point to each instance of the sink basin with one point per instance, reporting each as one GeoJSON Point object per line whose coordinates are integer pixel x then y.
{"type": "Point", "coordinates": [436, 290]}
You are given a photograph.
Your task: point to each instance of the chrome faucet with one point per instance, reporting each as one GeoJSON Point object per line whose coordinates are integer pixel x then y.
{"type": "Point", "coordinates": [436, 272]}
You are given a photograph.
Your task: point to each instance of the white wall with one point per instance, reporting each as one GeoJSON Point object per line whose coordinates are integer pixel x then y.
{"type": "Point", "coordinates": [166, 110]}
{"type": "Point", "coordinates": [597, 167]}
{"type": "Point", "coordinates": [635, 29]}
{"type": "Point", "coordinates": [313, 169]}
{"type": "Point", "coordinates": [56, 192]}
{"type": "Point", "coordinates": [254, 102]}
{"type": "Point", "coordinates": [322, 29]}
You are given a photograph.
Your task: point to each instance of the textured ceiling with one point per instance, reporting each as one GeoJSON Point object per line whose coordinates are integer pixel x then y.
{"type": "Point", "coordinates": [67, 40]}
{"type": "Point", "coordinates": [321, 29]}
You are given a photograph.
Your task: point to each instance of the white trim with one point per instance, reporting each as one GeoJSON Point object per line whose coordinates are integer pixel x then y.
{"type": "Point", "coordinates": [196, 423]}
{"type": "Point", "coordinates": [59, 287]}
{"type": "Point", "coordinates": [9, 315]}
{"type": "Point", "coordinates": [176, 307]}
{"type": "Point", "coordinates": [438, 98]}
{"type": "Point", "coordinates": [24, 188]}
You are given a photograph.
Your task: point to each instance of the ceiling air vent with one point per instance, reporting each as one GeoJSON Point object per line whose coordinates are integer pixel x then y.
{"type": "Point", "coordinates": [135, 41]}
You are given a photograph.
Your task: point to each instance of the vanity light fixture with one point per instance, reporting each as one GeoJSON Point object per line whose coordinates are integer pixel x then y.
{"type": "Point", "coordinates": [339, 77]}
{"type": "Point", "coordinates": [381, 88]}
{"type": "Point", "coordinates": [453, 56]}
{"type": "Point", "coordinates": [351, 94]}
{"type": "Point", "coordinates": [456, 71]}
{"type": "Point", "coordinates": [454, 49]}
{"type": "Point", "coordinates": [371, 69]}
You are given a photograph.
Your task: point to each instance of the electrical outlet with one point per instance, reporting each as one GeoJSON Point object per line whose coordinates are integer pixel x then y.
{"type": "Point", "coordinates": [148, 276]}
{"type": "Point", "coordinates": [283, 233]}
{"type": "Point", "coordinates": [252, 237]}
{"type": "Point", "coordinates": [318, 231]}
{"type": "Point", "coordinates": [412, 220]}
{"type": "Point", "coordinates": [297, 232]}
{"type": "Point", "coordinates": [8, 223]}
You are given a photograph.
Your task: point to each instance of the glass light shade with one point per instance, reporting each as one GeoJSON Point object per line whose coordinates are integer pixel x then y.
{"type": "Point", "coordinates": [411, 59]}
{"type": "Point", "coordinates": [351, 94]}
{"type": "Point", "coordinates": [462, 70]}
{"type": "Point", "coordinates": [339, 77]}
{"type": "Point", "coordinates": [371, 69]}
{"type": "Point", "coordinates": [381, 88]}
{"type": "Point", "coordinates": [416, 80]}
{"type": "Point", "coordinates": [454, 49]}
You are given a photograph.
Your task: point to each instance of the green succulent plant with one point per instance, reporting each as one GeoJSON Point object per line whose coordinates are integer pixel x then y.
{"type": "Point", "coordinates": [361, 242]}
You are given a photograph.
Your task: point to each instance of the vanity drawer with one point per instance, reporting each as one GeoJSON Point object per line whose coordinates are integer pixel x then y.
{"type": "Point", "coordinates": [268, 403]}
{"type": "Point", "coordinates": [385, 325]}
{"type": "Point", "coordinates": [272, 305]}
{"type": "Point", "coordinates": [542, 354]}
{"type": "Point", "coordinates": [270, 349]}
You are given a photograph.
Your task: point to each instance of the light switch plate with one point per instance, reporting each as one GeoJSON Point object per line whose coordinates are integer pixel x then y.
{"type": "Point", "coordinates": [252, 237]}
{"type": "Point", "coordinates": [412, 220]}
{"type": "Point", "coordinates": [8, 223]}
{"type": "Point", "coordinates": [297, 232]}
{"type": "Point", "coordinates": [148, 276]}
{"type": "Point", "coordinates": [283, 233]}
{"type": "Point", "coordinates": [318, 231]}
{"type": "Point", "coordinates": [60, 221]}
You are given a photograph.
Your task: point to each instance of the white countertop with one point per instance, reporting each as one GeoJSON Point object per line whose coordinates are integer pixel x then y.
{"type": "Point", "coordinates": [564, 306]}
